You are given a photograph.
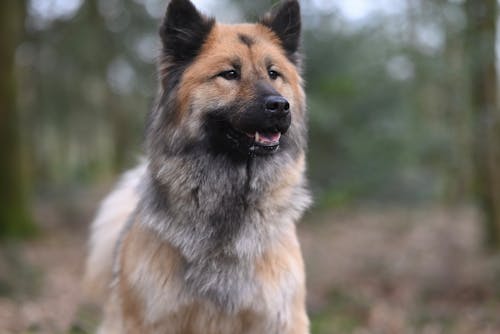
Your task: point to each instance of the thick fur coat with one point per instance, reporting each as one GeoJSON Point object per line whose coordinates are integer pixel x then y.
{"type": "Point", "coordinates": [200, 238]}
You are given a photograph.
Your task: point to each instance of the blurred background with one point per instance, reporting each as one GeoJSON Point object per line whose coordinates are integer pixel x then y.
{"type": "Point", "coordinates": [404, 155]}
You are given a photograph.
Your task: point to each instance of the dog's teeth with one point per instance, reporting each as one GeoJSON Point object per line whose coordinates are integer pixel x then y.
{"type": "Point", "coordinates": [257, 137]}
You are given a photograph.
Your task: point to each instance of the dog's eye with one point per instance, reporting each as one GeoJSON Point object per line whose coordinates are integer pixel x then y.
{"type": "Point", "coordinates": [273, 74]}
{"type": "Point", "coordinates": [229, 75]}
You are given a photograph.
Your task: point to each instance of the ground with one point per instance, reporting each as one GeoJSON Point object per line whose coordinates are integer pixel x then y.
{"type": "Point", "coordinates": [401, 271]}
{"type": "Point", "coordinates": [370, 270]}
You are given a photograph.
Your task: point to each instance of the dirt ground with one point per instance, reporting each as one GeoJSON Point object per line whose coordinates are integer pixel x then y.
{"type": "Point", "coordinates": [375, 270]}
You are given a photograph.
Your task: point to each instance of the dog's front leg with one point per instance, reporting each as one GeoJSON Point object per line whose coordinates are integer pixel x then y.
{"type": "Point", "coordinates": [299, 322]}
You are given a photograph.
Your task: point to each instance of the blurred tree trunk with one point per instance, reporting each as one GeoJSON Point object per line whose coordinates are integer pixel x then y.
{"type": "Point", "coordinates": [481, 36]}
{"type": "Point", "coordinates": [14, 217]}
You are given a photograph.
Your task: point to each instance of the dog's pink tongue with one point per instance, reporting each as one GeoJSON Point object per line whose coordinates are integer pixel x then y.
{"type": "Point", "coordinates": [267, 138]}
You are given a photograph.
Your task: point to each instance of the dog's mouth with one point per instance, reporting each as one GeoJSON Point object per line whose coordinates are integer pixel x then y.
{"type": "Point", "coordinates": [254, 137]}
{"type": "Point", "coordinates": [259, 142]}
{"type": "Point", "coordinates": [266, 141]}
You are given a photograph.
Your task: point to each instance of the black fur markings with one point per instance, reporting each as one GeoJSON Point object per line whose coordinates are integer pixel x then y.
{"type": "Point", "coordinates": [222, 140]}
{"type": "Point", "coordinates": [286, 24]}
{"type": "Point", "coordinates": [247, 40]}
{"type": "Point", "coordinates": [183, 31]}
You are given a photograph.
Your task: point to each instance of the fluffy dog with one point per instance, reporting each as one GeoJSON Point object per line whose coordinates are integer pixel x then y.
{"type": "Point", "coordinates": [201, 238]}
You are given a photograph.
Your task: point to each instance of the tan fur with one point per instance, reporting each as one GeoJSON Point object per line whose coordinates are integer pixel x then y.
{"type": "Point", "coordinates": [106, 228]}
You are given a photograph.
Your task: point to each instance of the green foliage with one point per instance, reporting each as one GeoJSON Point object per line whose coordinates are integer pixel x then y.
{"type": "Point", "coordinates": [17, 223]}
{"type": "Point", "coordinates": [343, 314]}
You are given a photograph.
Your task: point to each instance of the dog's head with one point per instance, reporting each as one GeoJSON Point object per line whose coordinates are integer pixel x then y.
{"type": "Point", "coordinates": [236, 88]}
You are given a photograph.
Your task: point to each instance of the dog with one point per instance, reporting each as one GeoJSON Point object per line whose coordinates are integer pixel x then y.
{"type": "Point", "coordinates": [201, 237]}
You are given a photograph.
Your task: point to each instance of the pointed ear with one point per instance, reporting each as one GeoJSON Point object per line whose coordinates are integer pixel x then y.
{"type": "Point", "coordinates": [286, 24]}
{"type": "Point", "coordinates": [183, 31]}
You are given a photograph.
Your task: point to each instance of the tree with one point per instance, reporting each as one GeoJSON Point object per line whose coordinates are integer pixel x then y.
{"type": "Point", "coordinates": [481, 36]}
{"type": "Point", "coordinates": [14, 216]}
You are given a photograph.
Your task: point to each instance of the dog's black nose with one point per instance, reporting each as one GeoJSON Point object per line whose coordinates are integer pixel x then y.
{"type": "Point", "coordinates": [277, 105]}
{"type": "Point", "coordinates": [277, 113]}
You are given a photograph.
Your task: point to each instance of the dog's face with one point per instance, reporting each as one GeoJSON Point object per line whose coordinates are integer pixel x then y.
{"type": "Point", "coordinates": [236, 86]}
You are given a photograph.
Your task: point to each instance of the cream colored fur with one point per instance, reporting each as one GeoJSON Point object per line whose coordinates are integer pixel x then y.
{"type": "Point", "coordinates": [105, 232]}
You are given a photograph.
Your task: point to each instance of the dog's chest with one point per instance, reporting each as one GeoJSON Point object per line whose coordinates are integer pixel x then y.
{"type": "Point", "coordinates": [214, 297]}
{"type": "Point", "coordinates": [230, 292]}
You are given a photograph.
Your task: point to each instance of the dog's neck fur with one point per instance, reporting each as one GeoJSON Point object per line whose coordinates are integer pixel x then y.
{"type": "Point", "coordinates": [207, 219]}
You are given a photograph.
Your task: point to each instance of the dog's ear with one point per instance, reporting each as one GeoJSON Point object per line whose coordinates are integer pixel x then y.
{"type": "Point", "coordinates": [286, 24]}
{"type": "Point", "coordinates": [183, 31]}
